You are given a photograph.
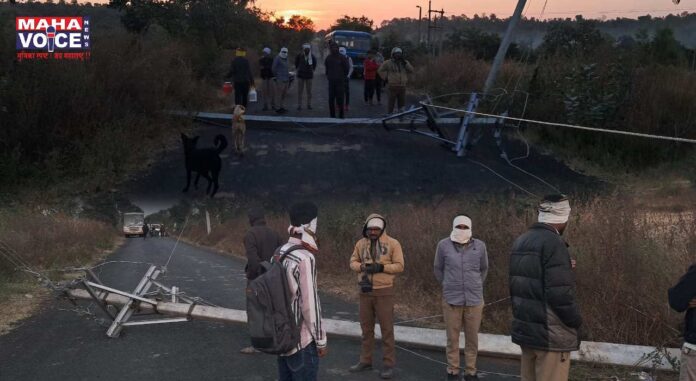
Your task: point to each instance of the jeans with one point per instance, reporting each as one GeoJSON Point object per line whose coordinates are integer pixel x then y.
{"type": "Point", "coordinates": [241, 93]}
{"type": "Point", "coordinates": [336, 97]}
{"type": "Point", "coordinates": [301, 366]}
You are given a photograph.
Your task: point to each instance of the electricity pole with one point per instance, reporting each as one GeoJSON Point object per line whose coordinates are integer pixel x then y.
{"type": "Point", "coordinates": [463, 138]}
{"type": "Point", "coordinates": [430, 10]}
{"type": "Point", "coordinates": [420, 18]}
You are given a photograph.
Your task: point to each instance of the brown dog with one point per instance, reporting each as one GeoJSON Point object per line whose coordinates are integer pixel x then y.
{"type": "Point", "coordinates": [238, 129]}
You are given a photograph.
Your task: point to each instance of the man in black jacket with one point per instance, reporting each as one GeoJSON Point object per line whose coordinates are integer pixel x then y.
{"type": "Point", "coordinates": [305, 64]}
{"type": "Point", "coordinates": [682, 297]}
{"type": "Point", "coordinates": [240, 72]}
{"type": "Point", "coordinates": [266, 67]}
{"type": "Point", "coordinates": [546, 317]}
{"type": "Point", "coordinates": [337, 68]}
{"type": "Point", "coordinates": [260, 242]}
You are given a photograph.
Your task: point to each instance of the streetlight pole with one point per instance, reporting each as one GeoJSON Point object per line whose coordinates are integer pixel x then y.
{"type": "Point", "coordinates": [420, 18]}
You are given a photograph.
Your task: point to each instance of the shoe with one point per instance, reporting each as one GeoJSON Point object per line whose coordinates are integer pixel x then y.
{"type": "Point", "coordinates": [453, 377]}
{"type": "Point", "coordinates": [248, 351]}
{"type": "Point", "coordinates": [386, 373]}
{"type": "Point", "coordinates": [470, 377]}
{"type": "Point", "coordinates": [309, 107]}
{"type": "Point", "coordinates": [299, 108]}
{"type": "Point", "coordinates": [360, 367]}
{"type": "Point", "coordinates": [265, 108]}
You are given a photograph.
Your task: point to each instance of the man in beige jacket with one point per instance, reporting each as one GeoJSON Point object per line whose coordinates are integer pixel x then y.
{"type": "Point", "coordinates": [395, 72]}
{"type": "Point", "coordinates": [377, 258]}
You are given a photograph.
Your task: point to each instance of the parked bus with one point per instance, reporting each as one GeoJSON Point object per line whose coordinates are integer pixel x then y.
{"type": "Point", "coordinates": [356, 43]}
{"type": "Point", "coordinates": [133, 224]}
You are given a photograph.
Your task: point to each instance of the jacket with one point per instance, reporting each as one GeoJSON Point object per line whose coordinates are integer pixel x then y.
{"type": "Point", "coordinates": [388, 252]}
{"type": "Point", "coordinates": [370, 71]}
{"type": "Point", "coordinates": [395, 73]}
{"type": "Point", "coordinates": [266, 65]}
{"type": "Point", "coordinates": [542, 288]}
{"type": "Point", "coordinates": [337, 67]}
{"type": "Point", "coordinates": [281, 71]}
{"type": "Point", "coordinates": [260, 242]}
{"type": "Point", "coordinates": [304, 69]}
{"type": "Point", "coordinates": [461, 270]}
{"type": "Point", "coordinates": [679, 297]}
{"type": "Point", "coordinates": [240, 70]}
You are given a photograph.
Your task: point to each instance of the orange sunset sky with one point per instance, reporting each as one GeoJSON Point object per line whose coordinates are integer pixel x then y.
{"type": "Point", "coordinates": [324, 12]}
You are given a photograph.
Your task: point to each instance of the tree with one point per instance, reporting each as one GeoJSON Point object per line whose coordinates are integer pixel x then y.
{"type": "Point", "coordinates": [572, 38]}
{"type": "Point", "coordinates": [362, 24]}
{"type": "Point", "coordinates": [300, 23]}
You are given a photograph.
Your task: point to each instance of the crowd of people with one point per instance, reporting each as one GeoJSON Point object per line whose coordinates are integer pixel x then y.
{"type": "Point", "coordinates": [277, 77]}
{"type": "Point", "coordinates": [546, 319]}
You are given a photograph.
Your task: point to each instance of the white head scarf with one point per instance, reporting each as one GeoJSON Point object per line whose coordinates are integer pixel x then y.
{"type": "Point", "coordinates": [343, 50]}
{"type": "Point", "coordinates": [461, 236]}
{"type": "Point", "coordinates": [375, 223]}
{"type": "Point", "coordinates": [309, 55]}
{"type": "Point", "coordinates": [554, 212]}
{"type": "Point", "coordinates": [308, 232]}
{"type": "Point", "coordinates": [267, 50]}
{"type": "Point", "coordinates": [283, 53]}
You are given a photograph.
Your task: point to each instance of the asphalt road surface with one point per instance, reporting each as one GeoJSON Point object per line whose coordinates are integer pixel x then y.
{"type": "Point", "coordinates": [59, 344]}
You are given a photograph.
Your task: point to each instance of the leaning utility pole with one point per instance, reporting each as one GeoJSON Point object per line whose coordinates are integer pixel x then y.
{"type": "Point", "coordinates": [463, 138]}
{"type": "Point", "coordinates": [430, 10]}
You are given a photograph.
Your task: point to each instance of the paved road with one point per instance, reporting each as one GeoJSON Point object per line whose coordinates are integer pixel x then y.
{"type": "Point", "coordinates": [57, 344]}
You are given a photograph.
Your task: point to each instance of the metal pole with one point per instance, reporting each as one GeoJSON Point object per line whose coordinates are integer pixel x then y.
{"type": "Point", "coordinates": [504, 45]}
{"type": "Point", "coordinates": [207, 221]}
{"type": "Point", "coordinates": [420, 18]}
{"type": "Point", "coordinates": [430, 4]}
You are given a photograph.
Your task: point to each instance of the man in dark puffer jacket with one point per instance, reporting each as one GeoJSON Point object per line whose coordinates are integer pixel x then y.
{"type": "Point", "coordinates": [682, 298]}
{"type": "Point", "coordinates": [546, 318]}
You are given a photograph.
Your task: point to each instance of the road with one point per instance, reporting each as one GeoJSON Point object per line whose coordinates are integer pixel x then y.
{"type": "Point", "coordinates": [58, 344]}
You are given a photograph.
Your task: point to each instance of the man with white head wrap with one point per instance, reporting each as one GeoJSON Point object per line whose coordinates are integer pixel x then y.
{"type": "Point", "coordinates": [546, 318]}
{"type": "Point", "coordinates": [351, 67]}
{"type": "Point", "coordinates": [305, 65]}
{"type": "Point", "coordinates": [377, 258]}
{"type": "Point", "coordinates": [461, 267]}
{"type": "Point", "coordinates": [266, 65]}
{"type": "Point", "coordinates": [337, 68]}
{"type": "Point", "coordinates": [281, 72]}
{"type": "Point", "coordinates": [302, 363]}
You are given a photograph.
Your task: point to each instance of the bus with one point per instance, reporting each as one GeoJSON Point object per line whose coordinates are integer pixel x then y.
{"type": "Point", "coordinates": [356, 43]}
{"type": "Point", "coordinates": [133, 224]}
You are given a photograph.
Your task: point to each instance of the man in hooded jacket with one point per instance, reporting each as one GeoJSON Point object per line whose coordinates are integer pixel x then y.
{"type": "Point", "coordinates": [305, 64]}
{"type": "Point", "coordinates": [546, 317]}
{"type": "Point", "coordinates": [377, 258]}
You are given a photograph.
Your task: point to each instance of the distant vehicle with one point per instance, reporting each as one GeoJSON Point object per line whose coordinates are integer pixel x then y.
{"type": "Point", "coordinates": [133, 224]}
{"type": "Point", "coordinates": [155, 230]}
{"type": "Point", "coordinates": [357, 44]}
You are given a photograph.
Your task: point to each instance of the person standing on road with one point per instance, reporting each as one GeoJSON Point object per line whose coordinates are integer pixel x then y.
{"type": "Point", "coordinates": [346, 87]}
{"type": "Point", "coordinates": [461, 266]}
{"type": "Point", "coordinates": [379, 83]}
{"type": "Point", "coordinates": [266, 66]}
{"type": "Point", "coordinates": [146, 229]}
{"type": "Point", "coordinates": [546, 317]}
{"type": "Point", "coordinates": [395, 72]}
{"type": "Point", "coordinates": [337, 68]}
{"type": "Point", "coordinates": [682, 298]}
{"type": "Point", "coordinates": [370, 77]}
{"type": "Point", "coordinates": [305, 64]}
{"type": "Point", "coordinates": [377, 258]}
{"type": "Point", "coordinates": [260, 242]}
{"type": "Point", "coordinates": [281, 72]}
{"type": "Point", "coordinates": [243, 79]}
{"type": "Point", "coordinates": [302, 363]}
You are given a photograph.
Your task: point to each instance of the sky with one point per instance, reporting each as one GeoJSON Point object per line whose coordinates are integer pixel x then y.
{"type": "Point", "coordinates": [324, 12]}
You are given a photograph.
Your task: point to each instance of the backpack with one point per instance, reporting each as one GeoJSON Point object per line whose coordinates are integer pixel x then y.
{"type": "Point", "coordinates": [270, 319]}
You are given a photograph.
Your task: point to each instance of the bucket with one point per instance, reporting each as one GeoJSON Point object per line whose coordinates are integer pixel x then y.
{"type": "Point", "coordinates": [227, 87]}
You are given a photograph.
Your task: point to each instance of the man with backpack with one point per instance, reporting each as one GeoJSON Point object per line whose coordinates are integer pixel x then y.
{"type": "Point", "coordinates": [260, 243]}
{"type": "Point", "coordinates": [286, 296]}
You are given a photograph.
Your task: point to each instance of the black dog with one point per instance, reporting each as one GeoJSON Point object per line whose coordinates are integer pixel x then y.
{"type": "Point", "coordinates": [205, 162]}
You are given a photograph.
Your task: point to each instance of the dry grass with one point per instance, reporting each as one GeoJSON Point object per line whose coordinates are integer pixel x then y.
{"type": "Point", "coordinates": [627, 259]}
